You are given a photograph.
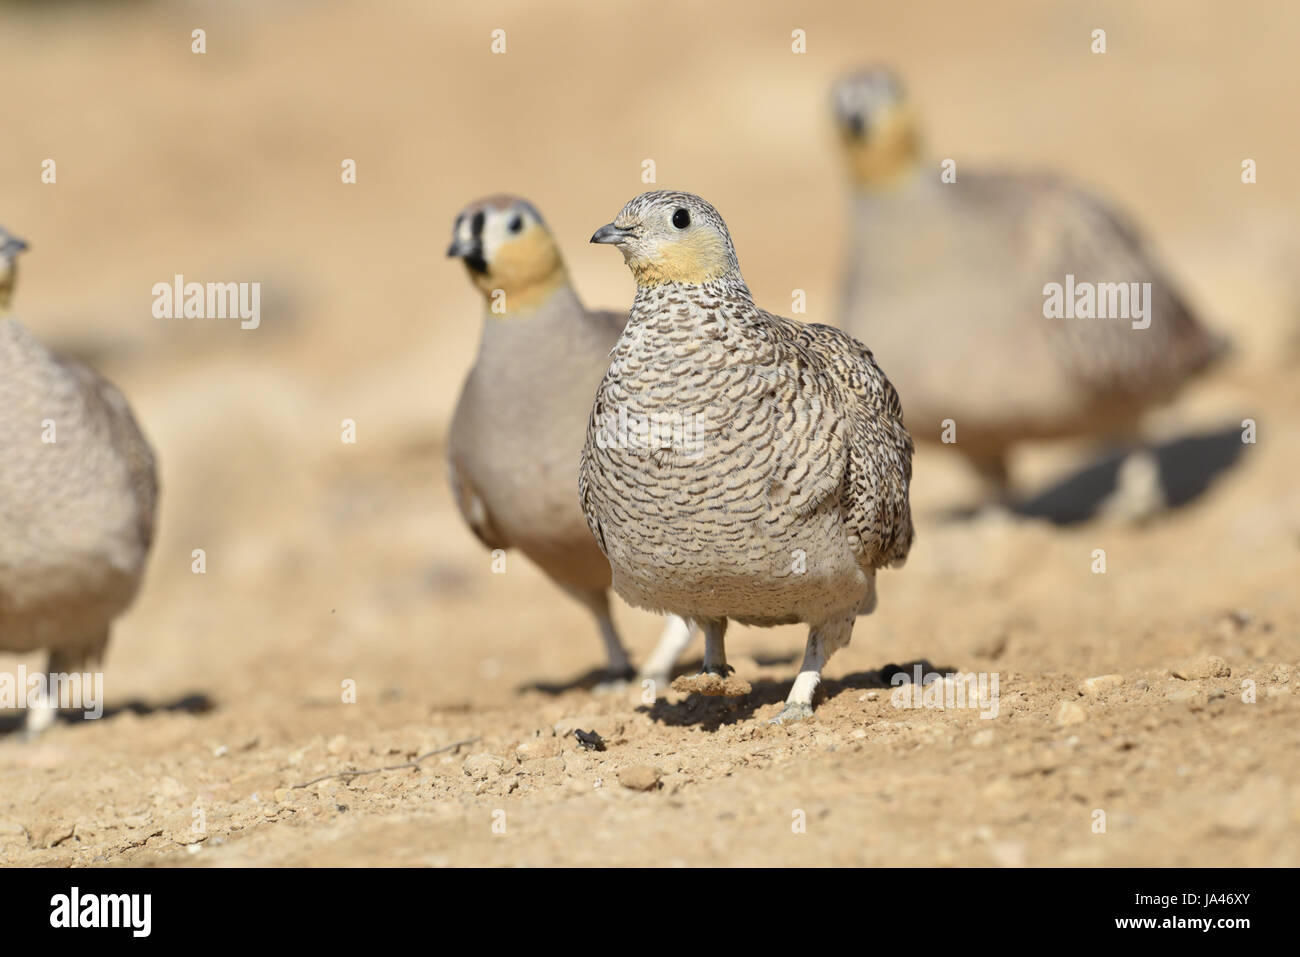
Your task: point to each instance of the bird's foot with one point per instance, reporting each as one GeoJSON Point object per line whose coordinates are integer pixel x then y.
{"type": "Point", "coordinates": [1139, 493]}
{"type": "Point", "coordinates": [713, 684]}
{"type": "Point", "coordinates": [792, 712]}
{"type": "Point", "coordinates": [40, 717]}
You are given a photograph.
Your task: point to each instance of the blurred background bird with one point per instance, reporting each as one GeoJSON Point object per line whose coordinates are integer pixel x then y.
{"type": "Point", "coordinates": [10, 249]}
{"type": "Point", "coordinates": [78, 492]}
{"type": "Point", "coordinates": [945, 280]}
{"type": "Point", "coordinates": [516, 434]}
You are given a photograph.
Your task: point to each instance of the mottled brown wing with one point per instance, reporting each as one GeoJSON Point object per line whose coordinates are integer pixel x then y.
{"type": "Point", "coordinates": [809, 430]}
{"type": "Point", "coordinates": [878, 461]}
{"type": "Point", "coordinates": [1068, 230]}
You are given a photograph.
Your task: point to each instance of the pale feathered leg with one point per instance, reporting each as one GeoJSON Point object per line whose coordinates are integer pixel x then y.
{"type": "Point", "coordinates": [677, 635]}
{"type": "Point", "coordinates": [715, 648]}
{"type": "Point", "coordinates": [995, 478]}
{"type": "Point", "coordinates": [597, 601]}
{"type": "Point", "coordinates": [1139, 493]}
{"type": "Point", "coordinates": [42, 714]}
{"type": "Point", "coordinates": [823, 641]}
{"type": "Point", "coordinates": [717, 678]}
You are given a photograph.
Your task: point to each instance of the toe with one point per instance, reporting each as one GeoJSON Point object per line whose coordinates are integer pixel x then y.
{"type": "Point", "coordinates": [792, 712]}
{"type": "Point", "coordinates": [659, 683]}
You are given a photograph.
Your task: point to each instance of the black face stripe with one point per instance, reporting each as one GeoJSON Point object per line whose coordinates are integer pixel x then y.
{"type": "Point", "coordinates": [476, 226]}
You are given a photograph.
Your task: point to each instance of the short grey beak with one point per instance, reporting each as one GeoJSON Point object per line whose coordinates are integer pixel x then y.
{"type": "Point", "coordinates": [471, 251]}
{"type": "Point", "coordinates": [12, 246]}
{"type": "Point", "coordinates": [610, 234]}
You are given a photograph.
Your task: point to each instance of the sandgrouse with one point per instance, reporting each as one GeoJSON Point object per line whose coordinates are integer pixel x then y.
{"type": "Point", "coordinates": [517, 431]}
{"type": "Point", "coordinates": [77, 499]}
{"type": "Point", "coordinates": [949, 282]}
{"type": "Point", "coordinates": [739, 465]}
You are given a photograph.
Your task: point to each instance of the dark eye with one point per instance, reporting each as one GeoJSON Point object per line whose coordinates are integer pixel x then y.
{"type": "Point", "coordinates": [516, 224]}
{"type": "Point", "coordinates": [681, 219]}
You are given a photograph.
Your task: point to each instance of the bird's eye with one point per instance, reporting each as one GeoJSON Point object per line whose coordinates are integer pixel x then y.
{"type": "Point", "coordinates": [516, 224]}
{"type": "Point", "coordinates": [681, 219]}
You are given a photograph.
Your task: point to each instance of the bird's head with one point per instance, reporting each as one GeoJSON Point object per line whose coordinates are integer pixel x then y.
{"type": "Point", "coordinates": [876, 126]}
{"type": "Point", "coordinates": [506, 247]}
{"type": "Point", "coordinates": [10, 249]}
{"type": "Point", "coordinates": [668, 236]}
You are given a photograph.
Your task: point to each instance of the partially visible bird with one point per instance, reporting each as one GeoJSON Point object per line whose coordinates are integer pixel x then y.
{"type": "Point", "coordinates": [517, 431]}
{"type": "Point", "coordinates": [78, 491]}
{"type": "Point", "coordinates": [10, 249]}
{"type": "Point", "coordinates": [775, 482]}
{"type": "Point", "coordinates": [947, 281]}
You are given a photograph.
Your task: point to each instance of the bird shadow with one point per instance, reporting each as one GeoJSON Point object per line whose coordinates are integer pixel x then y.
{"type": "Point", "coordinates": [598, 677]}
{"type": "Point", "coordinates": [710, 714]}
{"type": "Point", "coordinates": [587, 681]}
{"type": "Point", "coordinates": [1187, 467]}
{"type": "Point", "coordinates": [193, 703]}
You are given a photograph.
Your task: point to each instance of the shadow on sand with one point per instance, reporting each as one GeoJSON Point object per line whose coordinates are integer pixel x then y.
{"type": "Point", "coordinates": [1187, 467]}
{"type": "Point", "coordinates": [193, 703]}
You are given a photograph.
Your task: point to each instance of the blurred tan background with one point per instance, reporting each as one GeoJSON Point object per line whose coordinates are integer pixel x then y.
{"type": "Point", "coordinates": [329, 561]}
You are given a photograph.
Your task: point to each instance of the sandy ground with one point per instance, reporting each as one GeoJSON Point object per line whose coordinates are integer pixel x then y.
{"type": "Point", "coordinates": [330, 563]}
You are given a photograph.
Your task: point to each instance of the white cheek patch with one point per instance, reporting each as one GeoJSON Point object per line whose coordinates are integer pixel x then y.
{"type": "Point", "coordinates": [495, 233]}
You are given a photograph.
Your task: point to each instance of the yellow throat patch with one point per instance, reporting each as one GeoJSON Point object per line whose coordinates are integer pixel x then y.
{"type": "Point", "coordinates": [527, 270]}
{"type": "Point", "coordinates": [888, 154]}
{"type": "Point", "coordinates": [695, 258]}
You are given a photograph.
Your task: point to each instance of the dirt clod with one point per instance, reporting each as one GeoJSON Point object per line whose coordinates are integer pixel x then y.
{"type": "Point", "coordinates": [1206, 666]}
{"type": "Point", "coordinates": [712, 686]}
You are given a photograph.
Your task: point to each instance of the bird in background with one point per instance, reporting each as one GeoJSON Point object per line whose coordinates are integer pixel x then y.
{"type": "Point", "coordinates": [947, 280]}
{"type": "Point", "coordinates": [78, 494]}
{"type": "Point", "coordinates": [11, 247]}
{"type": "Point", "coordinates": [517, 431]}
{"type": "Point", "coordinates": [788, 490]}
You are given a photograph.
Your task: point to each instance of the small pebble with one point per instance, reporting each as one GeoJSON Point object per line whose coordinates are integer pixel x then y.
{"type": "Point", "coordinates": [1100, 685]}
{"type": "Point", "coordinates": [639, 777]}
{"type": "Point", "coordinates": [1069, 712]}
